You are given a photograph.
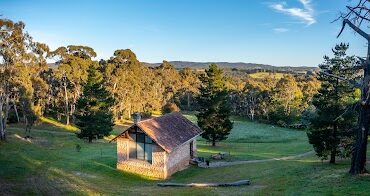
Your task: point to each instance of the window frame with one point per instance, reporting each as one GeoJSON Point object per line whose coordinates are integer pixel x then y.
{"type": "Point", "coordinates": [146, 141]}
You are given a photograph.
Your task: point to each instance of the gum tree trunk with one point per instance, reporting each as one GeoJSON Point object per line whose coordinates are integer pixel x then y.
{"type": "Point", "coordinates": [358, 162]}
{"type": "Point", "coordinates": [66, 104]}
{"type": "Point", "coordinates": [16, 110]}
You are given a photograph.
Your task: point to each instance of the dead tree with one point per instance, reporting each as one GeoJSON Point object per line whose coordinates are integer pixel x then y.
{"type": "Point", "coordinates": [354, 18]}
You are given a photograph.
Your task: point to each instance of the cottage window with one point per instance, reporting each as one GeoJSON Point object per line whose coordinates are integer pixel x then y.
{"type": "Point", "coordinates": [140, 146]}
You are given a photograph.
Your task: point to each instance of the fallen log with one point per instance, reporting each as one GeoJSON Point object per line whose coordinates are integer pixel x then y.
{"type": "Point", "coordinates": [237, 183]}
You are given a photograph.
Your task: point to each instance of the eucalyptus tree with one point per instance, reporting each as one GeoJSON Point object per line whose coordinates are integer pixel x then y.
{"type": "Point", "coordinates": [126, 78]}
{"type": "Point", "coordinates": [190, 84]}
{"type": "Point", "coordinates": [73, 62]}
{"type": "Point", "coordinates": [250, 99]}
{"type": "Point", "coordinates": [288, 96]}
{"type": "Point", "coordinates": [170, 81]}
{"type": "Point", "coordinates": [309, 87]}
{"type": "Point", "coordinates": [22, 60]}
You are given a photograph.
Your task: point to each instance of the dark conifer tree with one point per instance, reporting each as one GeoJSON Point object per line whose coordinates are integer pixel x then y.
{"type": "Point", "coordinates": [94, 117]}
{"type": "Point", "coordinates": [214, 109]}
{"type": "Point", "coordinates": [331, 132]}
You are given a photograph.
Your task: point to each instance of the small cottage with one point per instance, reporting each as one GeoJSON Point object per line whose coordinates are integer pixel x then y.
{"type": "Point", "coordinates": [157, 147]}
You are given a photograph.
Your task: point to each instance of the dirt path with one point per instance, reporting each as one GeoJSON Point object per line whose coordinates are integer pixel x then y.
{"type": "Point", "coordinates": [225, 164]}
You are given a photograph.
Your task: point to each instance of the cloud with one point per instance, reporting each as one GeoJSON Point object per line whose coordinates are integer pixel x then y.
{"type": "Point", "coordinates": [280, 30]}
{"type": "Point", "coordinates": [305, 14]}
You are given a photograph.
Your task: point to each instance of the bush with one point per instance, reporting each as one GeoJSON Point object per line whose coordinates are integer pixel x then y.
{"type": "Point", "coordinates": [170, 107]}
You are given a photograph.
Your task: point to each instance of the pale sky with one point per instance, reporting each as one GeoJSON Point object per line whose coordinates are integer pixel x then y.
{"type": "Point", "coordinates": [281, 33]}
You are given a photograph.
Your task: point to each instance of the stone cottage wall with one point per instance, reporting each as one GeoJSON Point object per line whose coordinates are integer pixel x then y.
{"type": "Point", "coordinates": [179, 158]}
{"type": "Point", "coordinates": [122, 150]}
{"type": "Point", "coordinates": [163, 164]}
{"type": "Point", "coordinates": [155, 169]}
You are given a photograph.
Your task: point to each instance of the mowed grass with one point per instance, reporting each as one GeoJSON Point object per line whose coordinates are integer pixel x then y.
{"type": "Point", "coordinates": [49, 164]}
{"type": "Point", "coordinates": [251, 141]}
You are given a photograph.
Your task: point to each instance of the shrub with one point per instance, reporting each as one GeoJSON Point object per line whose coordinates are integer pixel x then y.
{"type": "Point", "coordinates": [170, 107]}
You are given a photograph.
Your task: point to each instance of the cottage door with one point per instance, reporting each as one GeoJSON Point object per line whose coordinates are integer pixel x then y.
{"type": "Point", "coordinates": [191, 150]}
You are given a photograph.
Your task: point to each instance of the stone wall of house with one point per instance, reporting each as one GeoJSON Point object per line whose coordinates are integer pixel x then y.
{"type": "Point", "coordinates": [163, 164]}
{"type": "Point", "coordinates": [179, 158]}
{"type": "Point", "coordinates": [155, 169]}
{"type": "Point", "coordinates": [122, 149]}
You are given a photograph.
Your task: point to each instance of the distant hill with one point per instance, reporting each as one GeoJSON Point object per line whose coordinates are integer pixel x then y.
{"type": "Point", "coordinates": [247, 67]}
{"type": "Point", "coordinates": [238, 65]}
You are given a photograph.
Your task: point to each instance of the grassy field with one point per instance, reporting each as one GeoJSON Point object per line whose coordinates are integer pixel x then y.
{"type": "Point", "coordinates": [250, 141]}
{"type": "Point", "coordinates": [261, 75]}
{"type": "Point", "coordinates": [49, 164]}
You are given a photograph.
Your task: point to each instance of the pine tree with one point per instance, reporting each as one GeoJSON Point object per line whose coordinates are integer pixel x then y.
{"type": "Point", "coordinates": [214, 110]}
{"type": "Point", "coordinates": [94, 117]}
{"type": "Point", "coordinates": [330, 132]}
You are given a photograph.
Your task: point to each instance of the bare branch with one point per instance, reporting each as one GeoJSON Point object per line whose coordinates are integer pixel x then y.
{"type": "Point", "coordinates": [355, 28]}
{"type": "Point", "coordinates": [341, 30]}
{"type": "Point", "coordinates": [357, 13]}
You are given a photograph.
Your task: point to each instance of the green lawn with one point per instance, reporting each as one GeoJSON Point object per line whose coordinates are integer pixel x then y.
{"type": "Point", "coordinates": [250, 140]}
{"type": "Point", "coordinates": [50, 165]}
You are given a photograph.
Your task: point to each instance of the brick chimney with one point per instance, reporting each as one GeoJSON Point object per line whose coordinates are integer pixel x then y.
{"type": "Point", "coordinates": [136, 117]}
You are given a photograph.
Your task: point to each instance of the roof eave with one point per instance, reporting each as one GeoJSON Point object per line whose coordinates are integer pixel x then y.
{"type": "Point", "coordinates": [115, 138]}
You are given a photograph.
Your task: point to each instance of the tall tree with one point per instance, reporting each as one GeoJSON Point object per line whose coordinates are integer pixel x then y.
{"type": "Point", "coordinates": [21, 61]}
{"type": "Point", "coordinates": [214, 110]}
{"type": "Point", "coordinates": [309, 87]}
{"type": "Point", "coordinates": [190, 84]}
{"type": "Point", "coordinates": [252, 98]}
{"type": "Point", "coordinates": [73, 62]}
{"type": "Point", "coordinates": [94, 117]}
{"type": "Point", "coordinates": [287, 100]}
{"type": "Point", "coordinates": [126, 78]}
{"type": "Point", "coordinates": [331, 126]}
{"type": "Point", "coordinates": [355, 17]}
{"type": "Point", "coordinates": [169, 82]}
{"type": "Point", "coordinates": [288, 94]}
